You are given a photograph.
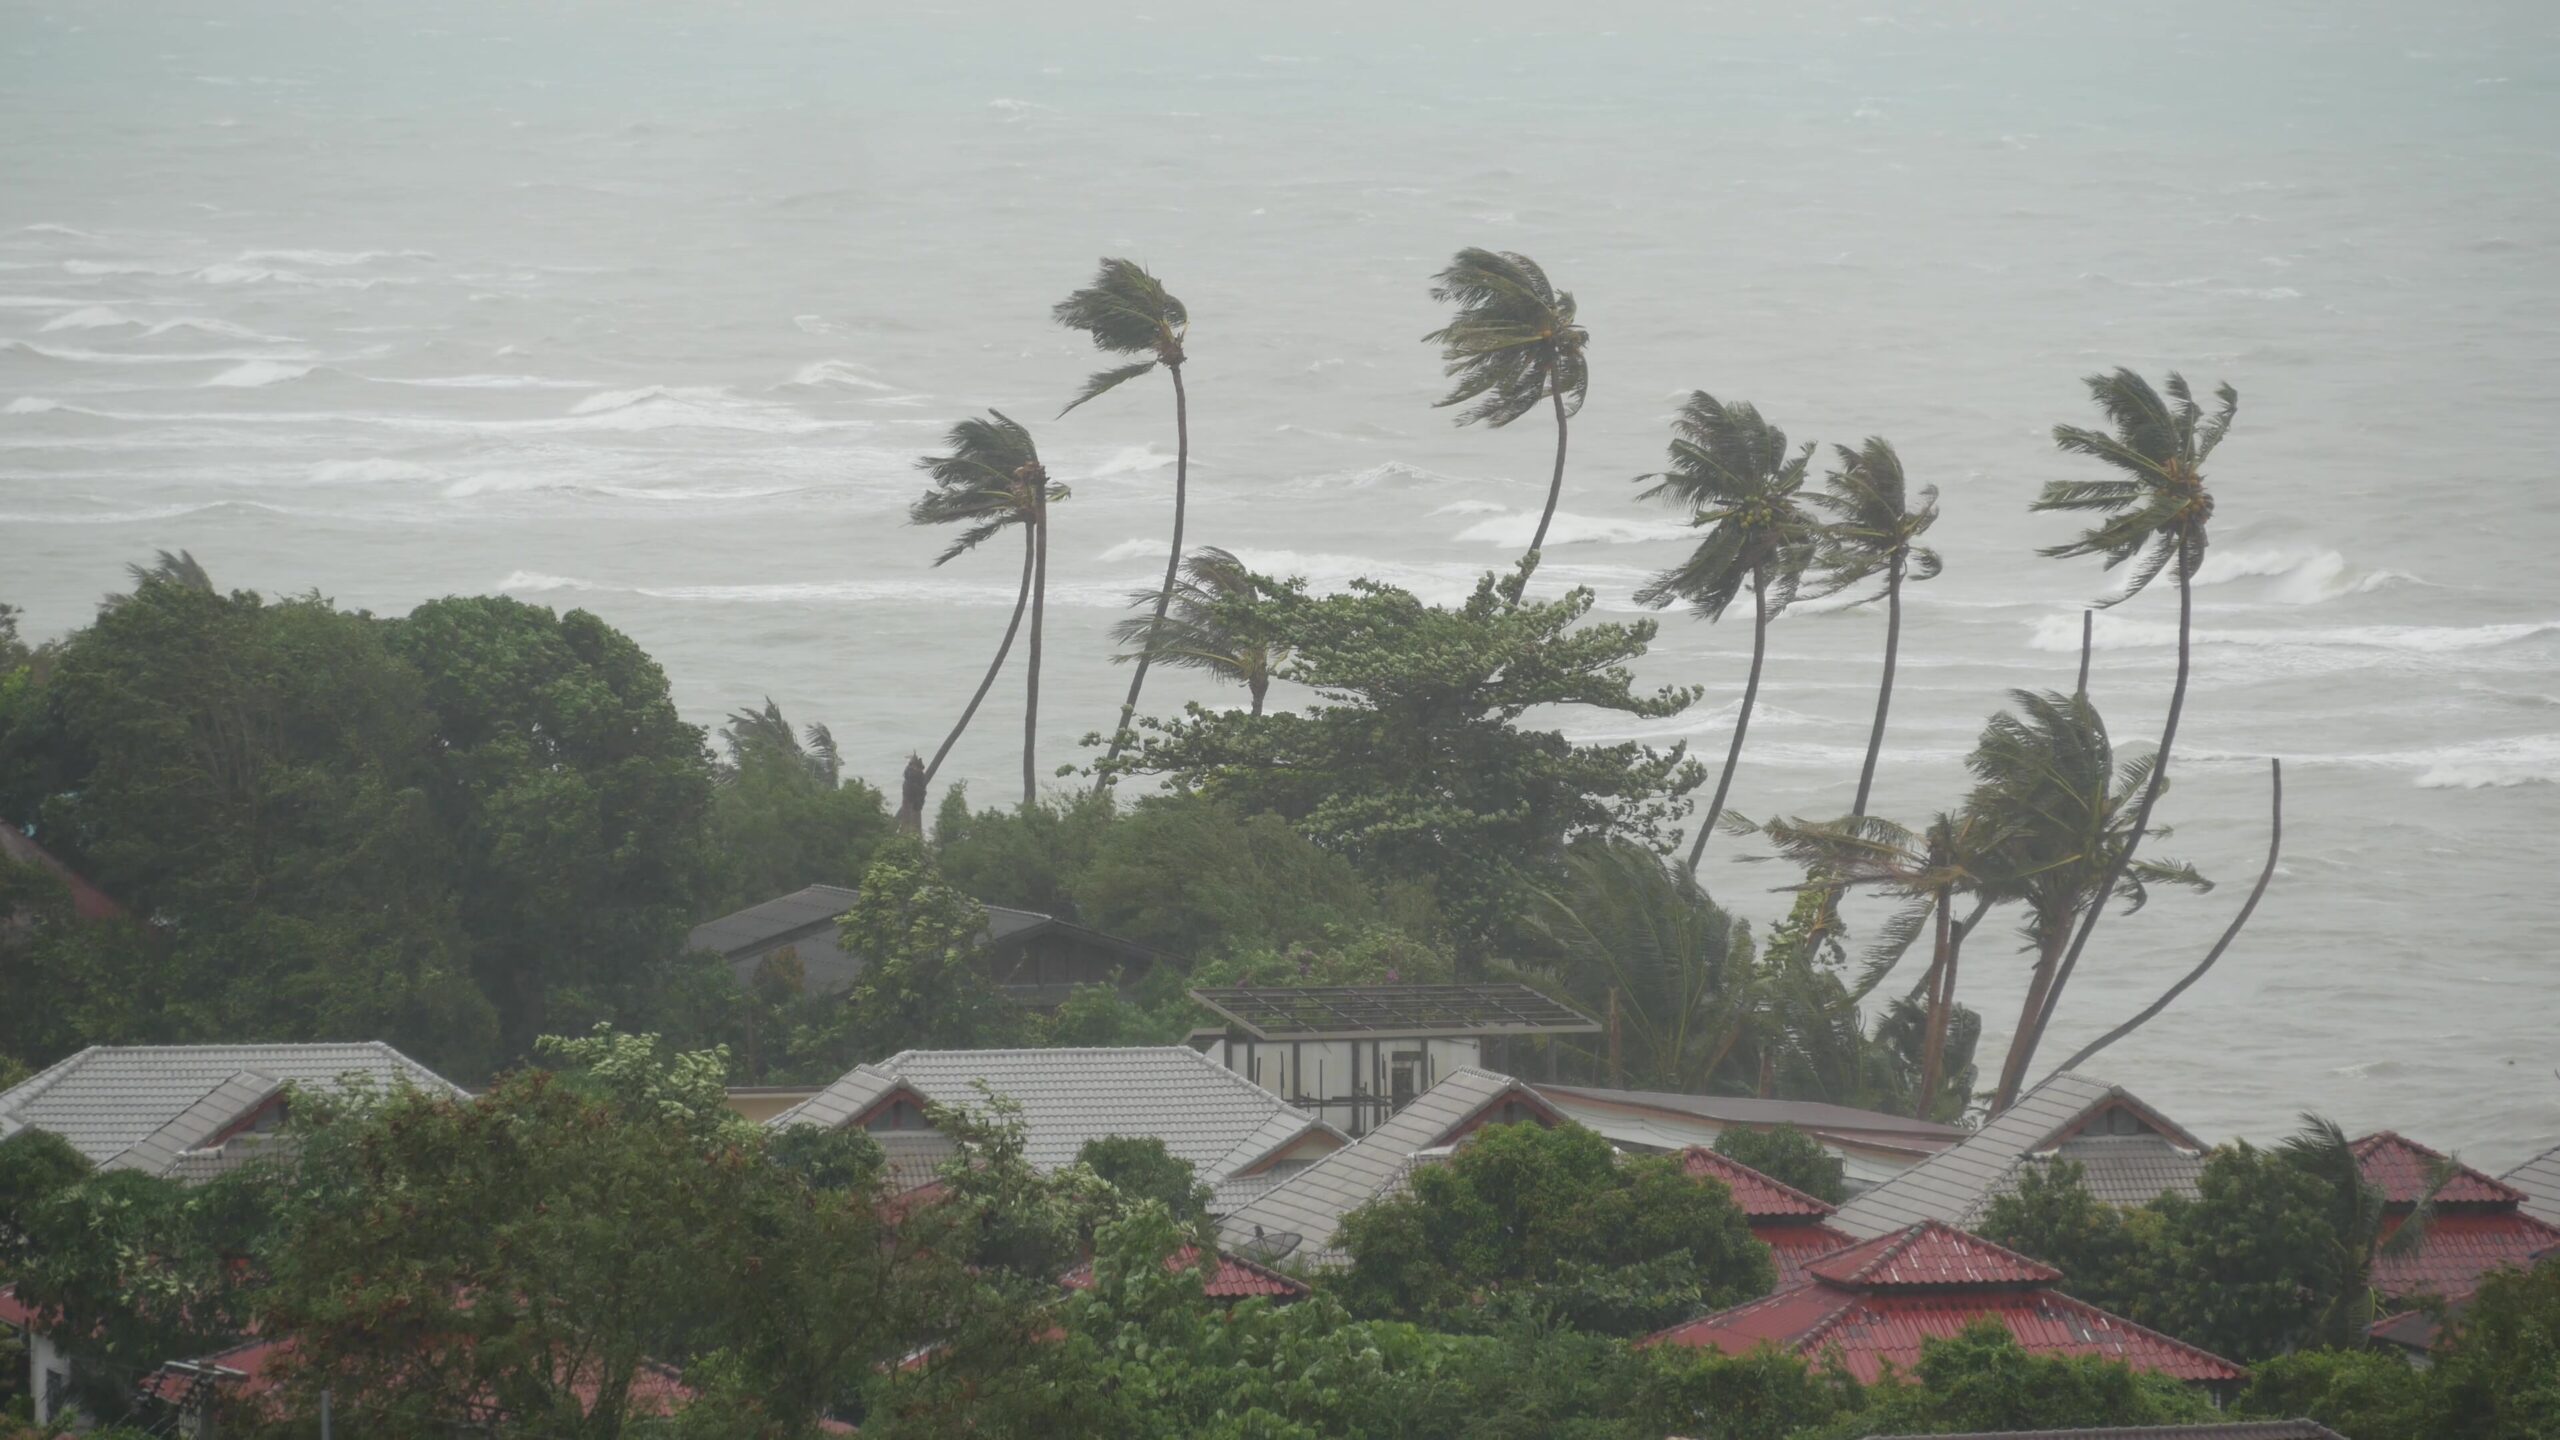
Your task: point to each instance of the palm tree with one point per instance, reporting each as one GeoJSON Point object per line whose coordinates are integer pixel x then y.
{"type": "Point", "coordinates": [2156, 509]}
{"type": "Point", "coordinates": [1512, 344]}
{"type": "Point", "coordinates": [2361, 1226]}
{"type": "Point", "coordinates": [1624, 922]}
{"type": "Point", "coordinates": [1927, 871]}
{"type": "Point", "coordinates": [1208, 625]}
{"type": "Point", "coordinates": [1741, 484]}
{"type": "Point", "coordinates": [1127, 311]}
{"type": "Point", "coordinates": [1873, 536]}
{"type": "Point", "coordinates": [2058, 815]}
{"type": "Point", "coordinates": [764, 735]}
{"type": "Point", "coordinates": [993, 481]}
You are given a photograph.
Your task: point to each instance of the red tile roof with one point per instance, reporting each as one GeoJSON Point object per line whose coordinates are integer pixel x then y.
{"type": "Point", "coordinates": [2403, 1169]}
{"type": "Point", "coordinates": [1931, 1254]}
{"type": "Point", "coordinates": [1234, 1279]}
{"type": "Point", "coordinates": [2460, 1247]}
{"type": "Point", "coordinates": [1760, 1197]}
{"type": "Point", "coordinates": [1874, 1304]}
{"type": "Point", "coordinates": [1796, 1245]}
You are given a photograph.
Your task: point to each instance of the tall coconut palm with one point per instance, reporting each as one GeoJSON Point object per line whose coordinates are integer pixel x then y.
{"type": "Point", "coordinates": [2059, 812]}
{"type": "Point", "coordinates": [2156, 510]}
{"type": "Point", "coordinates": [1208, 626]}
{"type": "Point", "coordinates": [1512, 344]}
{"type": "Point", "coordinates": [1127, 311]}
{"type": "Point", "coordinates": [1928, 871]}
{"type": "Point", "coordinates": [1874, 538]}
{"type": "Point", "coordinates": [1733, 472]}
{"type": "Point", "coordinates": [992, 481]}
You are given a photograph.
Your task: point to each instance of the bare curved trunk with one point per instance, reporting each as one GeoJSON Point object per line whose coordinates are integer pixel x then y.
{"type": "Point", "coordinates": [1172, 574]}
{"type": "Point", "coordinates": [1039, 601]}
{"type": "Point", "coordinates": [1884, 692]}
{"type": "Point", "coordinates": [1020, 603]}
{"type": "Point", "coordinates": [1742, 721]}
{"type": "Point", "coordinates": [1555, 492]}
{"type": "Point", "coordinates": [2275, 843]}
{"type": "Point", "coordinates": [2023, 1048]}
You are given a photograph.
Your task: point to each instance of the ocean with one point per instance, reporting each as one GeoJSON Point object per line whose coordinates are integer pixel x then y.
{"type": "Point", "coordinates": [649, 309]}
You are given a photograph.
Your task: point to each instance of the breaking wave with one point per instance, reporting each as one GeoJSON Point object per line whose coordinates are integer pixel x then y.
{"type": "Point", "coordinates": [2299, 575]}
{"type": "Point", "coordinates": [1513, 530]}
{"type": "Point", "coordinates": [257, 373]}
{"type": "Point", "coordinates": [2061, 633]}
{"type": "Point", "coordinates": [839, 372]}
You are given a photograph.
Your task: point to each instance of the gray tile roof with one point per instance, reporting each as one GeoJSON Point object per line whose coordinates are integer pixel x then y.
{"type": "Point", "coordinates": [1957, 1184]}
{"type": "Point", "coordinates": [106, 1100]}
{"type": "Point", "coordinates": [2125, 1169]}
{"type": "Point", "coordinates": [759, 925]}
{"type": "Point", "coordinates": [1311, 1203]}
{"type": "Point", "coordinates": [1205, 1113]}
{"type": "Point", "coordinates": [2539, 1179]}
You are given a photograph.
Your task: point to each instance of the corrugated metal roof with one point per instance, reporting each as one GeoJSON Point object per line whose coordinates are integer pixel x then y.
{"type": "Point", "coordinates": [1235, 1278]}
{"type": "Point", "coordinates": [1203, 1112]}
{"type": "Point", "coordinates": [1957, 1184]}
{"type": "Point", "coordinates": [1931, 1256]}
{"type": "Point", "coordinates": [1760, 1197]}
{"type": "Point", "coordinates": [1312, 1202]}
{"type": "Point", "coordinates": [2402, 1169]}
{"type": "Point", "coordinates": [2538, 1180]}
{"type": "Point", "coordinates": [106, 1099]}
{"type": "Point", "coordinates": [2226, 1430]}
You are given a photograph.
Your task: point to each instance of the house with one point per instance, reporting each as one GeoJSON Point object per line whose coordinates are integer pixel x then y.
{"type": "Point", "coordinates": [1299, 1214]}
{"type": "Point", "coordinates": [1357, 1054]}
{"type": "Point", "coordinates": [2214, 1430]}
{"type": "Point", "coordinates": [1036, 959]}
{"type": "Point", "coordinates": [1873, 1147]}
{"type": "Point", "coordinates": [2538, 1180]}
{"type": "Point", "coordinates": [1234, 1278]}
{"type": "Point", "coordinates": [1872, 1305]}
{"type": "Point", "coordinates": [2477, 1225]}
{"type": "Point", "coordinates": [2128, 1152]}
{"type": "Point", "coordinates": [191, 1111]}
{"type": "Point", "coordinates": [1791, 1223]}
{"type": "Point", "coordinates": [1222, 1123]}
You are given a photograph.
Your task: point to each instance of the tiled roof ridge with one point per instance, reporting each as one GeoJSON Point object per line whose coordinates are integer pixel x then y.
{"type": "Point", "coordinates": [2365, 1145]}
{"type": "Point", "coordinates": [2170, 1130]}
{"type": "Point", "coordinates": [35, 1086]}
{"type": "Point", "coordinates": [1709, 1157]}
{"type": "Point", "coordinates": [1732, 1313]}
{"type": "Point", "coordinates": [1885, 1249]}
{"type": "Point", "coordinates": [2171, 1341]}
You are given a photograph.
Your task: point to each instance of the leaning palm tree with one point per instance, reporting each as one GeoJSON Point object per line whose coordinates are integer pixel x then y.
{"type": "Point", "coordinates": [992, 481]}
{"type": "Point", "coordinates": [1743, 486]}
{"type": "Point", "coordinates": [2059, 813]}
{"type": "Point", "coordinates": [2156, 509]}
{"type": "Point", "coordinates": [1874, 538]}
{"type": "Point", "coordinates": [1209, 626]}
{"type": "Point", "coordinates": [1127, 311]}
{"type": "Point", "coordinates": [1624, 923]}
{"type": "Point", "coordinates": [2362, 1227]}
{"type": "Point", "coordinates": [1512, 344]}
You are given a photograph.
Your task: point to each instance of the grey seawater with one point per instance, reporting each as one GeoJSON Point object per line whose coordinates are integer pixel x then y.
{"type": "Point", "coordinates": [649, 308]}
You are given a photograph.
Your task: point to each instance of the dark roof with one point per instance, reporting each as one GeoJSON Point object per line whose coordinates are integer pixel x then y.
{"type": "Point", "coordinates": [773, 921]}
{"type": "Point", "coordinates": [1344, 1012]}
{"type": "Point", "coordinates": [2213, 1431]}
{"type": "Point", "coordinates": [2221, 1430]}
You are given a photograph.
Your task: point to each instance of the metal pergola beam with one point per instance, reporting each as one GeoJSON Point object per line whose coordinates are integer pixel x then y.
{"type": "Point", "coordinates": [1343, 1012]}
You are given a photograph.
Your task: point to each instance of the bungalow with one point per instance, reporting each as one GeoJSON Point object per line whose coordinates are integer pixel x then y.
{"type": "Point", "coordinates": [1225, 1125]}
{"type": "Point", "coordinates": [1357, 1054]}
{"type": "Point", "coordinates": [1873, 1147]}
{"type": "Point", "coordinates": [2476, 1225]}
{"type": "Point", "coordinates": [1871, 1306]}
{"type": "Point", "coordinates": [1299, 1214]}
{"type": "Point", "coordinates": [1795, 1226]}
{"type": "Point", "coordinates": [2128, 1152]}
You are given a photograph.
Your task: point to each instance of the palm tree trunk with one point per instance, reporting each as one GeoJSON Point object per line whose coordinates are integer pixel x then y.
{"type": "Point", "coordinates": [1555, 489]}
{"type": "Point", "coordinates": [1933, 1036]}
{"type": "Point", "coordinates": [1742, 721]}
{"type": "Point", "coordinates": [1884, 692]}
{"type": "Point", "coordinates": [1172, 574]}
{"type": "Point", "coordinates": [1020, 602]}
{"type": "Point", "coordinates": [1259, 684]}
{"type": "Point", "coordinates": [2023, 1049]}
{"type": "Point", "coordinates": [2022, 1045]}
{"type": "Point", "coordinates": [1039, 601]}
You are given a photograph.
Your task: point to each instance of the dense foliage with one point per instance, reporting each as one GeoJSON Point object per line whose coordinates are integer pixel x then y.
{"type": "Point", "coordinates": [1790, 1157]}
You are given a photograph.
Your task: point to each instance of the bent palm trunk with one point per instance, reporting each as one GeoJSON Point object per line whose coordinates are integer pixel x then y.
{"type": "Point", "coordinates": [1555, 491]}
{"type": "Point", "coordinates": [1021, 601]}
{"type": "Point", "coordinates": [1172, 574]}
{"type": "Point", "coordinates": [1039, 599]}
{"type": "Point", "coordinates": [1742, 721]}
{"type": "Point", "coordinates": [1884, 692]}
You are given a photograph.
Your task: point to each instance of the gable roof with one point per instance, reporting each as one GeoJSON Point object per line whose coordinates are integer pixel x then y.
{"type": "Point", "coordinates": [1761, 1197]}
{"type": "Point", "coordinates": [781, 918]}
{"type": "Point", "coordinates": [108, 1099]}
{"type": "Point", "coordinates": [2402, 1169]}
{"type": "Point", "coordinates": [2538, 1180]}
{"type": "Point", "coordinates": [1875, 1305]}
{"type": "Point", "coordinates": [1203, 1112]}
{"type": "Point", "coordinates": [1311, 1203]}
{"type": "Point", "coordinates": [1957, 1184]}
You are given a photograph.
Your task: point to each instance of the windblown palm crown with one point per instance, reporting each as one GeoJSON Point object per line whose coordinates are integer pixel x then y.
{"type": "Point", "coordinates": [1208, 626]}
{"type": "Point", "coordinates": [2158, 507]}
{"type": "Point", "coordinates": [1126, 311]}
{"type": "Point", "coordinates": [1733, 471]}
{"type": "Point", "coordinates": [1875, 528]}
{"type": "Point", "coordinates": [1513, 340]}
{"type": "Point", "coordinates": [991, 481]}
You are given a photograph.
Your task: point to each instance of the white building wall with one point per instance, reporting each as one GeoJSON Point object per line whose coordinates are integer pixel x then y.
{"type": "Point", "coordinates": [1325, 1075]}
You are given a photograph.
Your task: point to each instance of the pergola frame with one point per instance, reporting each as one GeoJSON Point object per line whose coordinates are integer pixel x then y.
{"type": "Point", "coordinates": [1376, 1012]}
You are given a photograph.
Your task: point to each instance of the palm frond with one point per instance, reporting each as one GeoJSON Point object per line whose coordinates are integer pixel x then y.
{"type": "Point", "coordinates": [1103, 381]}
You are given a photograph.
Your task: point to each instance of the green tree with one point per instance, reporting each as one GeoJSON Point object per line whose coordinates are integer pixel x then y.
{"type": "Point", "coordinates": [1189, 875]}
{"type": "Point", "coordinates": [783, 816]}
{"type": "Point", "coordinates": [1873, 537]}
{"type": "Point", "coordinates": [2495, 1375]}
{"type": "Point", "coordinates": [993, 481]}
{"type": "Point", "coordinates": [1983, 1379]}
{"type": "Point", "coordinates": [1732, 471]}
{"type": "Point", "coordinates": [1611, 1245]}
{"type": "Point", "coordinates": [2360, 1227]}
{"type": "Point", "coordinates": [1767, 1394]}
{"type": "Point", "coordinates": [1141, 1169]}
{"type": "Point", "coordinates": [923, 983]}
{"type": "Point", "coordinates": [1414, 766]}
{"type": "Point", "coordinates": [1790, 1157]}
{"type": "Point", "coordinates": [2367, 1394]}
{"type": "Point", "coordinates": [13, 651]}
{"type": "Point", "coordinates": [1126, 311]}
{"type": "Point", "coordinates": [1211, 626]}
{"type": "Point", "coordinates": [572, 799]}
{"type": "Point", "coordinates": [1512, 343]}
{"type": "Point", "coordinates": [1624, 923]}
{"type": "Point", "coordinates": [2156, 512]}
{"type": "Point", "coordinates": [1033, 857]}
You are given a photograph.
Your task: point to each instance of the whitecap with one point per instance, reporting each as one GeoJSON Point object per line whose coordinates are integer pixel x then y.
{"type": "Point", "coordinates": [534, 581]}
{"type": "Point", "coordinates": [47, 227]}
{"type": "Point", "coordinates": [256, 373]}
{"type": "Point", "coordinates": [1516, 530]}
{"type": "Point", "coordinates": [1131, 460]}
{"type": "Point", "coordinates": [119, 267]}
{"type": "Point", "coordinates": [1392, 474]}
{"type": "Point", "coordinates": [1473, 507]}
{"type": "Point", "coordinates": [338, 258]}
{"type": "Point", "coordinates": [2303, 575]}
{"type": "Point", "coordinates": [375, 471]}
{"type": "Point", "coordinates": [90, 317]}
{"type": "Point", "coordinates": [2115, 632]}
{"type": "Point", "coordinates": [32, 405]}
{"type": "Point", "coordinates": [118, 357]}
{"type": "Point", "coordinates": [207, 326]}
{"type": "Point", "coordinates": [1147, 548]}
{"type": "Point", "coordinates": [838, 372]}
